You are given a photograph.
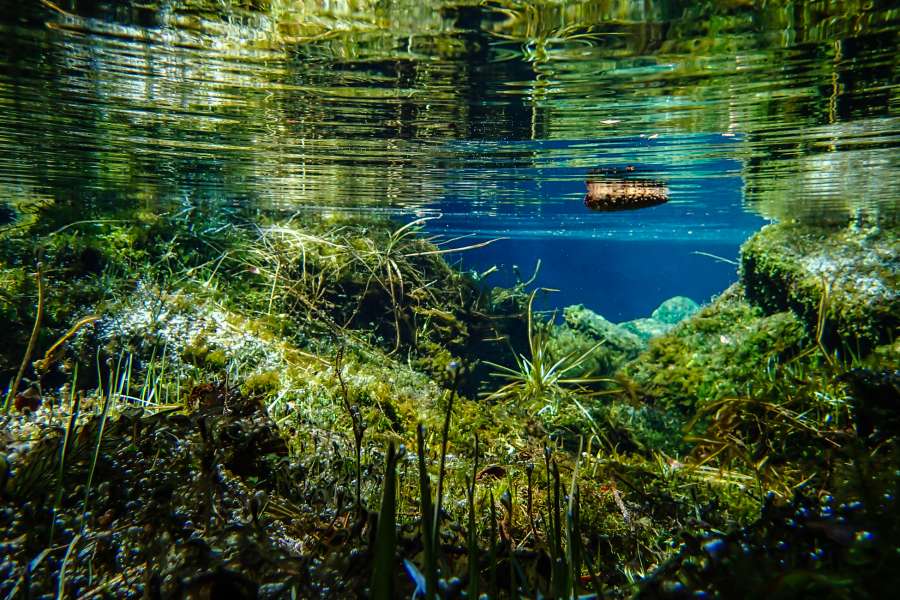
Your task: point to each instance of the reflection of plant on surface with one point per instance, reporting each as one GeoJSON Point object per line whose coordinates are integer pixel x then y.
{"type": "Point", "coordinates": [536, 378]}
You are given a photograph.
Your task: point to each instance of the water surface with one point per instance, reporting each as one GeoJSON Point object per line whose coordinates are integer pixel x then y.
{"type": "Point", "coordinates": [490, 114]}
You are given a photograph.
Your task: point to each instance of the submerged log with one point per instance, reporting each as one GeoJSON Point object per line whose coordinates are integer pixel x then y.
{"type": "Point", "coordinates": [614, 189]}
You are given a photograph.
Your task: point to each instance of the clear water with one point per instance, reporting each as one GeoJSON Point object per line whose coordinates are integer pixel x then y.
{"type": "Point", "coordinates": [489, 114]}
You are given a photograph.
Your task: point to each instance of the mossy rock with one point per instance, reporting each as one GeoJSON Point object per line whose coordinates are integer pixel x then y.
{"type": "Point", "coordinates": [646, 329]}
{"type": "Point", "coordinates": [582, 330]}
{"type": "Point", "coordinates": [588, 322]}
{"type": "Point", "coordinates": [724, 349]}
{"type": "Point", "coordinates": [850, 275]}
{"type": "Point", "coordinates": [675, 310]}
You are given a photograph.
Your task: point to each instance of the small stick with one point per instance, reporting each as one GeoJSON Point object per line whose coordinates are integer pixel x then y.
{"type": "Point", "coordinates": [32, 341]}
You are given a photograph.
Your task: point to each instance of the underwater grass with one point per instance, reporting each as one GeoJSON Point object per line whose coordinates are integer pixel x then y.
{"type": "Point", "coordinates": [588, 527]}
{"type": "Point", "coordinates": [357, 423]}
{"type": "Point", "coordinates": [108, 401]}
{"type": "Point", "coordinates": [427, 517]}
{"type": "Point", "coordinates": [537, 379]}
{"type": "Point", "coordinates": [472, 533]}
{"type": "Point", "coordinates": [32, 340]}
{"type": "Point", "coordinates": [65, 448]}
{"type": "Point", "coordinates": [386, 536]}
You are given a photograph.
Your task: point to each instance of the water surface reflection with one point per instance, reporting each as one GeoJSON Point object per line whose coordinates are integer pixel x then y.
{"type": "Point", "coordinates": [492, 113]}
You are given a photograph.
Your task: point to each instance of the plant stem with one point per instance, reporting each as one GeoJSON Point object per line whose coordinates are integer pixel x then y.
{"type": "Point", "coordinates": [382, 585]}
{"type": "Point", "coordinates": [32, 341]}
{"type": "Point", "coordinates": [428, 541]}
{"type": "Point", "coordinates": [444, 435]}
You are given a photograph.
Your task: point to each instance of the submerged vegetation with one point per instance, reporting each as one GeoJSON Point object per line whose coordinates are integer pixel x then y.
{"type": "Point", "coordinates": [206, 396]}
{"type": "Point", "coordinates": [229, 410]}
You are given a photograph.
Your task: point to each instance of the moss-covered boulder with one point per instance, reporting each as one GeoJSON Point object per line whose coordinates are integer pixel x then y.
{"type": "Point", "coordinates": [720, 351]}
{"type": "Point", "coordinates": [675, 310]}
{"type": "Point", "coordinates": [582, 330]}
{"type": "Point", "coordinates": [667, 315]}
{"type": "Point", "coordinates": [646, 328]}
{"type": "Point", "coordinates": [842, 281]}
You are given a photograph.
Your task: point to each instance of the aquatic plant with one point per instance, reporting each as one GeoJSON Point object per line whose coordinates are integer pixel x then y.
{"type": "Point", "coordinates": [840, 281]}
{"type": "Point", "coordinates": [428, 517]}
{"type": "Point", "coordinates": [65, 451]}
{"type": "Point", "coordinates": [267, 428]}
{"type": "Point", "coordinates": [359, 426]}
{"type": "Point", "coordinates": [32, 340]}
{"type": "Point", "coordinates": [473, 562]}
{"type": "Point", "coordinates": [385, 550]}
{"type": "Point", "coordinates": [390, 274]}
{"type": "Point", "coordinates": [536, 378]}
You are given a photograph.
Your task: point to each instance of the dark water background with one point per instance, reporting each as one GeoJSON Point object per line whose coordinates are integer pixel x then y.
{"type": "Point", "coordinates": [490, 114]}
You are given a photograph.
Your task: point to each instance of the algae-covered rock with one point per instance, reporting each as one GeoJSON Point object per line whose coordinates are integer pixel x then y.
{"type": "Point", "coordinates": [584, 329]}
{"type": "Point", "coordinates": [849, 276]}
{"type": "Point", "coordinates": [667, 315]}
{"type": "Point", "coordinates": [646, 328]}
{"type": "Point", "coordinates": [615, 338]}
{"type": "Point", "coordinates": [719, 351]}
{"type": "Point", "coordinates": [675, 310]}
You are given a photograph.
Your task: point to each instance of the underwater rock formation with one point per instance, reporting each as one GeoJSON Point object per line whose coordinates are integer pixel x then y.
{"type": "Point", "coordinates": [841, 281]}
{"type": "Point", "coordinates": [667, 315]}
{"type": "Point", "coordinates": [675, 310]}
{"type": "Point", "coordinates": [582, 329]}
{"type": "Point", "coordinates": [714, 353]}
{"type": "Point", "coordinates": [646, 328]}
{"type": "Point", "coordinates": [615, 189]}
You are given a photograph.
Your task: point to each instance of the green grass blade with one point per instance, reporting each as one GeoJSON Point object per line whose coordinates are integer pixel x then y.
{"type": "Point", "coordinates": [445, 434]}
{"type": "Point", "coordinates": [75, 403]}
{"type": "Point", "coordinates": [107, 402]}
{"type": "Point", "coordinates": [474, 570]}
{"type": "Point", "coordinates": [428, 541]}
{"type": "Point", "coordinates": [492, 554]}
{"type": "Point", "coordinates": [386, 535]}
{"type": "Point", "coordinates": [61, 586]}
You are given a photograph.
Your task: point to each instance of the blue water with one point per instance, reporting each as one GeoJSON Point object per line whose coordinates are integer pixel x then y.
{"type": "Point", "coordinates": [620, 264]}
{"type": "Point", "coordinates": [762, 119]}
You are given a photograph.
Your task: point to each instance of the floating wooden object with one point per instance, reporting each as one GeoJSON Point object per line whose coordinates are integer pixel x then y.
{"type": "Point", "coordinates": [616, 189]}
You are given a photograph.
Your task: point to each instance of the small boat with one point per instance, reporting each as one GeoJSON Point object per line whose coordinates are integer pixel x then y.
{"type": "Point", "coordinates": [611, 189]}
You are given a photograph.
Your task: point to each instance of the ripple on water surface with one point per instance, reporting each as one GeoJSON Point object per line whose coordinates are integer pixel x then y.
{"type": "Point", "coordinates": [492, 115]}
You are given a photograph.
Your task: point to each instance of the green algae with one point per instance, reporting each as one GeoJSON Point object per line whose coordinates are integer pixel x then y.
{"type": "Point", "coordinates": [261, 384]}
{"type": "Point", "coordinates": [583, 329]}
{"type": "Point", "coordinates": [303, 319]}
{"type": "Point", "coordinates": [845, 278]}
{"type": "Point", "coordinates": [720, 351]}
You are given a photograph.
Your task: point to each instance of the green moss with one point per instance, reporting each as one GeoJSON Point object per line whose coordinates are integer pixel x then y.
{"type": "Point", "coordinates": [285, 307]}
{"type": "Point", "coordinates": [582, 330]}
{"type": "Point", "coordinates": [847, 275]}
{"type": "Point", "coordinates": [261, 384]}
{"type": "Point", "coordinates": [722, 350]}
{"type": "Point", "coordinates": [200, 353]}
{"type": "Point", "coordinates": [646, 329]}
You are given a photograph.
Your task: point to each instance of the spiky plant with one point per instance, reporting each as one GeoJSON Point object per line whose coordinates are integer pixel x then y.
{"type": "Point", "coordinates": [538, 378]}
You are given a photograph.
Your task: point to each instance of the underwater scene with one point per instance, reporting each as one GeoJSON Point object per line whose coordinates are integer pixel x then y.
{"type": "Point", "coordinates": [442, 299]}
